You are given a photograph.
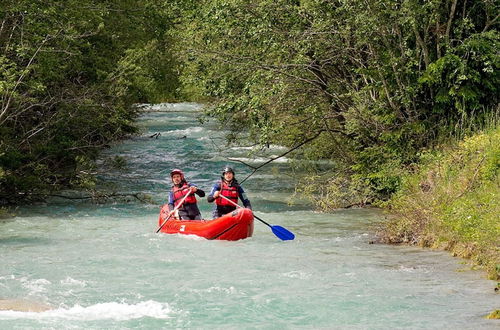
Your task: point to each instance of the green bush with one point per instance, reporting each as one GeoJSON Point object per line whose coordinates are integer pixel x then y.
{"type": "Point", "coordinates": [453, 200]}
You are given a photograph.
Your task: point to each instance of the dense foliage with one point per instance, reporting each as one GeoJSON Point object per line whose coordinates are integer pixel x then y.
{"type": "Point", "coordinates": [453, 200]}
{"type": "Point", "coordinates": [362, 86]}
{"type": "Point", "coordinates": [370, 82]}
{"type": "Point", "coordinates": [69, 72]}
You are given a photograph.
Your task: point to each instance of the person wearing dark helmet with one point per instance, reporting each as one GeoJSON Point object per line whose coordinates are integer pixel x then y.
{"type": "Point", "coordinates": [228, 187]}
{"type": "Point", "coordinates": [180, 188]}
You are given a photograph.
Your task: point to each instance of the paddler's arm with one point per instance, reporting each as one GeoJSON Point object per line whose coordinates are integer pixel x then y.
{"type": "Point", "coordinates": [197, 190]}
{"type": "Point", "coordinates": [215, 191]}
{"type": "Point", "coordinates": [170, 201]}
{"type": "Point", "coordinates": [244, 198]}
{"type": "Point", "coordinates": [200, 192]}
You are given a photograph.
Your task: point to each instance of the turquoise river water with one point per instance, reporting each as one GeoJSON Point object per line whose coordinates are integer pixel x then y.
{"type": "Point", "coordinates": [102, 266]}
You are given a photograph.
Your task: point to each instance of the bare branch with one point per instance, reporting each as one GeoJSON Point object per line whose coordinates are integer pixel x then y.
{"type": "Point", "coordinates": [101, 195]}
{"type": "Point", "coordinates": [450, 21]}
{"type": "Point", "coordinates": [490, 22]}
{"type": "Point", "coordinates": [5, 108]}
{"type": "Point", "coordinates": [256, 168]}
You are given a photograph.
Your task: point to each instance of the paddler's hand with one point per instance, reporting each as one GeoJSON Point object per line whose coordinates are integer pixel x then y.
{"type": "Point", "coordinates": [193, 189]}
{"type": "Point", "coordinates": [216, 194]}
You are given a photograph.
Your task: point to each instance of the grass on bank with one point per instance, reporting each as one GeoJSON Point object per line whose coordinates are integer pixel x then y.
{"type": "Point", "coordinates": [452, 201]}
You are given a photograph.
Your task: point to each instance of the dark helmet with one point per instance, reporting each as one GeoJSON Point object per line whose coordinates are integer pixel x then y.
{"type": "Point", "coordinates": [227, 169]}
{"type": "Point", "coordinates": [177, 171]}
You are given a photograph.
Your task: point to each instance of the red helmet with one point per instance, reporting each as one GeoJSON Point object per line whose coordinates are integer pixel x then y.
{"type": "Point", "coordinates": [177, 171]}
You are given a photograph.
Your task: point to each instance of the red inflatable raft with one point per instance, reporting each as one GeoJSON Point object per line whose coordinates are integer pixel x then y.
{"type": "Point", "coordinates": [230, 227]}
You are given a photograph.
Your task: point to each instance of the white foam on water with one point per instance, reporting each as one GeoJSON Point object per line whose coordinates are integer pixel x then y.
{"type": "Point", "coordinates": [190, 236]}
{"type": "Point", "coordinates": [297, 274]}
{"type": "Point", "coordinates": [260, 159]}
{"type": "Point", "coordinates": [272, 147]}
{"type": "Point", "coordinates": [203, 138]}
{"type": "Point", "coordinates": [157, 121]}
{"type": "Point", "coordinates": [409, 269]}
{"type": "Point", "coordinates": [185, 106]}
{"type": "Point", "coordinates": [35, 286]}
{"type": "Point", "coordinates": [186, 131]}
{"type": "Point", "coordinates": [215, 289]}
{"type": "Point", "coordinates": [242, 148]}
{"type": "Point", "coordinates": [71, 281]}
{"type": "Point", "coordinates": [111, 310]}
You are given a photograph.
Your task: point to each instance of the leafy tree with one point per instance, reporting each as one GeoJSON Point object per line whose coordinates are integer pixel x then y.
{"type": "Point", "coordinates": [373, 81]}
{"type": "Point", "coordinates": [70, 71]}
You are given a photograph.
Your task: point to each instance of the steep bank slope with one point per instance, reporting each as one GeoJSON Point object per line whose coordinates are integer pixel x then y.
{"type": "Point", "coordinates": [452, 201]}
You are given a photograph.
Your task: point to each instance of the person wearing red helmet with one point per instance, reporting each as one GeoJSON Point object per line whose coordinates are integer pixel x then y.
{"type": "Point", "coordinates": [228, 187]}
{"type": "Point", "coordinates": [180, 188]}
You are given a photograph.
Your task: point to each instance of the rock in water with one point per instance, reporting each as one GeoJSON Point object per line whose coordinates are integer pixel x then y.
{"type": "Point", "coordinates": [20, 305]}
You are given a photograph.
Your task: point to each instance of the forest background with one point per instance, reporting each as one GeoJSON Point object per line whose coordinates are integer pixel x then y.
{"type": "Point", "coordinates": [383, 102]}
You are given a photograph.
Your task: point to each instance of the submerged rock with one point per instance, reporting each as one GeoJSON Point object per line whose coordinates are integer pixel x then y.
{"type": "Point", "coordinates": [20, 305]}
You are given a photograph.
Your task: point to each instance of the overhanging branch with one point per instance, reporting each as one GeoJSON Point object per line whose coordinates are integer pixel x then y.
{"type": "Point", "coordinates": [256, 168]}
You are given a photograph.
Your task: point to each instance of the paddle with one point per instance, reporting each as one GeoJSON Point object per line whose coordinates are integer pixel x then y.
{"type": "Point", "coordinates": [175, 209]}
{"type": "Point", "coordinates": [282, 233]}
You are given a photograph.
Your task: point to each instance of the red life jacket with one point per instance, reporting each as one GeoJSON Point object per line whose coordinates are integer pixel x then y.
{"type": "Point", "coordinates": [180, 192]}
{"type": "Point", "coordinates": [227, 191]}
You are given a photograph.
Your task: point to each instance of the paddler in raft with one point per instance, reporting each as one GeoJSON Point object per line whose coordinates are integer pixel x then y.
{"type": "Point", "coordinates": [228, 187]}
{"type": "Point", "coordinates": [189, 209]}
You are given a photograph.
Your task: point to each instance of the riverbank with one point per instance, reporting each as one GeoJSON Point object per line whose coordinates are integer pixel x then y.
{"type": "Point", "coordinates": [451, 201]}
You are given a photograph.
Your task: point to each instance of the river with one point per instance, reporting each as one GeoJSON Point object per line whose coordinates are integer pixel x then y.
{"type": "Point", "coordinates": [102, 266]}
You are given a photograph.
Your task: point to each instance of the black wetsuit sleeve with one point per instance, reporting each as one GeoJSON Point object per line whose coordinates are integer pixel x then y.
{"type": "Point", "coordinates": [200, 192]}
